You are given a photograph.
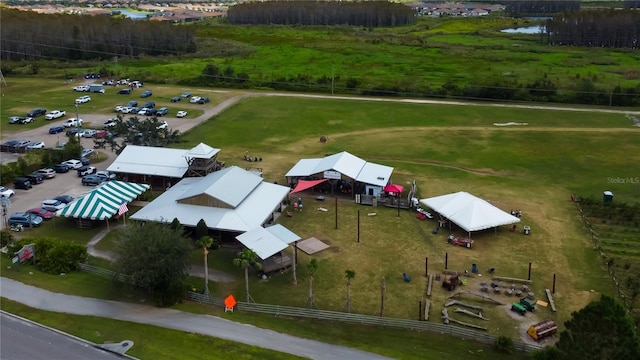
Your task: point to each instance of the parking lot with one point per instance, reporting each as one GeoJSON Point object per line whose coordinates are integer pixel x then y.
{"type": "Point", "coordinates": [69, 183]}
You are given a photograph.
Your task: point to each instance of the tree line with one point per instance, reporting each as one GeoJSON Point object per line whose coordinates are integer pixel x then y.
{"type": "Point", "coordinates": [540, 7]}
{"type": "Point", "coordinates": [355, 13]}
{"type": "Point", "coordinates": [608, 29]}
{"type": "Point", "coordinates": [543, 89]}
{"type": "Point", "coordinates": [27, 35]}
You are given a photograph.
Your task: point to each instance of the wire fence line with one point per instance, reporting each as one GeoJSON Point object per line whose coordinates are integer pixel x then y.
{"type": "Point", "coordinates": [327, 315]}
{"type": "Point", "coordinates": [627, 300]}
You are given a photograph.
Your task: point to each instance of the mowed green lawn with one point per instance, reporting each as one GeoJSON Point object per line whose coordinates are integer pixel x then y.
{"type": "Point", "coordinates": [445, 148]}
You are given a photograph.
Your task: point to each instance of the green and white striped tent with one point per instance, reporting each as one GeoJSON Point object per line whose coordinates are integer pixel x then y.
{"type": "Point", "coordinates": [104, 201]}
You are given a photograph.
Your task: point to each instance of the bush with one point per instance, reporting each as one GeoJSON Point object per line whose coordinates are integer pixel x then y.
{"type": "Point", "coordinates": [52, 255]}
{"type": "Point", "coordinates": [504, 344]}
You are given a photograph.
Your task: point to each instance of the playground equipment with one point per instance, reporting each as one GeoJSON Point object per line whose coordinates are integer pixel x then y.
{"type": "Point", "coordinates": [528, 304]}
{"type": "Point", "coordinates": [451, 281]}
{"type": "Point", "coordinates": [516, 307]}
{"type": "Point", "coordinates": [542, 330]}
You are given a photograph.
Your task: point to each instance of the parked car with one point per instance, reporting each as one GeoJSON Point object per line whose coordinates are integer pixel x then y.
{"type": "Point", "coordinates": [20, 120]}
{"type": "Point", "coordinates": [36, 112]}
{"type": "Point", "coordinates": [56, 129]}
{"type": "Point", "coordinates": [52, 205]}
{"type": "Point", "coordinates": [22, 183]}
{"type": "Point", "coordinates": [102, 134]}
{"type": "Point", "coordinates": [85, 161]}
{"type": "Point", "coordinates": [146, 94]}
{"type": "Point", "coordinates": [186, 94]}
{"type": "Point", "coordinates": [176, 99]}
{"type": "Point", "coordinates": [55, 114]}
{"type": "Point", "coordinates": [36, 145]}
{"type": "Point", "coordinates": [118, 108]}
{"type": "Point", "coordinates": [109, 83]}
{"type": "Point", "coordinates": [181, 114]}
{"type": "Point", "coordinates": [6, 193]}
{"type": "Point", "coordinates": [107, 175]}
{"type": "Point", "coordinates": [204, 100]}
{"type": "Point", "coordinates": [83, 99]}
{"type": "Point", "coordinates": [87, 152]}
{"type": "Point", "coordinates": [148, 111]}
{"type": "Point", "coordinates": [132, 103]}
{"type": "Point", "coordinates": [48, 173]}
{"type": "Point", "coordinates": [42, 212]}
{"type": "Point", "coordinates": [195, 99]}
{"type": "Point", "coordinates": [88, 133]}
{"type": "Point", "coordinates": [86, 170]}
{"type": "Point", "coordinates": [92, 76]}
{"type": "Point", "coordinates": [65, 199]}
{"type": "Point", "coordinates": [111, 122]}
{"type": "Point", "coordinates": [61, 168]}
{"type": "Point", "coordinates": [162, 111]}
{"type": "Point", "coordinates": [81, 88]}
{"type": "Point", "coordinates": [24, 219]}
{"type": "Point", "coordinates": [73, 132]}
{"type": "Point", "coordinates": [149, 104]}
{"type": "Point", "coordinates": [124, 92]}
{"type": "Point", "coordinates": [163, 125]}
{"type": "Point", "coordinates": [72, 122]}
{"type": "Point", "coordinates": [35, 178]}
{"type": "Point", "coordinates": [73, 163]}
{"type": "Point", "coordinates": [126, 109]}
{"type": "Point", "coordinates": [88, 180]}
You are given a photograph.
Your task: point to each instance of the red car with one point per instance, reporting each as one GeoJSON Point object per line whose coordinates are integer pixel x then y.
{"type": "Point", "coordinates": [101, 134]}
{"type": "Point", "coordinates": [43, 213]}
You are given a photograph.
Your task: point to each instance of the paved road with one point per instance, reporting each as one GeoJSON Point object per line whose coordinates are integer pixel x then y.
{"type": "Point", "coordinates": [174, 319]}
{"type": "Point", "coordinates": [24, 339]}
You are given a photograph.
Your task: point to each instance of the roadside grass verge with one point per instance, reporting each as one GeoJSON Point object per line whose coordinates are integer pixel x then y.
{"type": "Point", "coordinates": [146, 338]}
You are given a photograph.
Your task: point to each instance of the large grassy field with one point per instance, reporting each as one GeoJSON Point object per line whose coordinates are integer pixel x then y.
{"type": "Point", "coordinates": [428, 54]}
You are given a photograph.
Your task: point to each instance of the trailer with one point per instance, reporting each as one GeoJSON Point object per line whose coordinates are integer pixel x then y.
{"type": "Point", "coordinates": [96, 88]}
{"type": "Point", "coordinates": [516, 307]}
{"type": "Point", "coordinates": [542, 330]}
{"type": "Point", "coordinates": [530, 305]}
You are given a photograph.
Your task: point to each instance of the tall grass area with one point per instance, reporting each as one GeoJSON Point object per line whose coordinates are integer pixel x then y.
{"type": "Point", "coordinates": [428, 54]}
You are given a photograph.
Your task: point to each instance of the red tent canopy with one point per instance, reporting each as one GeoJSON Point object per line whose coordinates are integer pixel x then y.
{"type": "Point", "coordinates": [393, 188]}
{"type": "Point", "coordinates": [306, 184]}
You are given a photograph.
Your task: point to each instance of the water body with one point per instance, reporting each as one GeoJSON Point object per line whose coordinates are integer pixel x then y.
{"type": "Point", "coordinates": [132, 15]}
{"type": "Point", "coordinates": [525, 30]}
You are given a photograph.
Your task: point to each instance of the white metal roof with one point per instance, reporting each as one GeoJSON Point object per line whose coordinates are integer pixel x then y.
{"type": "Point", "coordinates": [375, 174]}
{"type": "Point", "coordinates": [202, 151]}
{"type": "Point", "coordinates": [304, 167]}
{"type": "Point", "coordinates": [149, 160]}
{"type": "Point", "coordinates": [284, 234]}
{"type": "Point", "coordinates": [469, 212]}
{"type": "Point", "coordinates": [347, 164]}
{"type": "Point", "coordinates": [251, 211]}
{"type": "Point", "coordinates": [262, 242]}
{"type": "Point", "coordinates": [230, 185]}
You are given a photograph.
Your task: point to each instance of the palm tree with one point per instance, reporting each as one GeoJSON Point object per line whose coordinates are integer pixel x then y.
{"type": "Point", "coordinates": [312, 267]}
{"type": "Point", "coordinates": [205, 242]}
{"type": "Point", "coordinates": [245, 258]}
{"type": "Point", "coordinates": [349, 274]}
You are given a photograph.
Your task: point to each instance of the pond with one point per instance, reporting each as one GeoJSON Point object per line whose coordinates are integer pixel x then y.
{"type": "Point", "coordinates": [525, 30]}
{"type": "Point", "coordinates": [131, 14]}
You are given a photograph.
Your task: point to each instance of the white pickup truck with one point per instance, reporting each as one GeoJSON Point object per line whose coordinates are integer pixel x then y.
{"type": "Point", "coordinates": [55, 114]}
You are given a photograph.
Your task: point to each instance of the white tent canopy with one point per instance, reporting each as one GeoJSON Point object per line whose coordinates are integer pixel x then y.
{"type": "Point", "coordinates": [469, 212]}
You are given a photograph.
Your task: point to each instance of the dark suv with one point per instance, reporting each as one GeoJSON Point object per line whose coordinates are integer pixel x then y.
{"type": "Point", "coordinates": [35, 178]}
{"type": "Point", "coordinates": [22, 183]}
{"type": "Point", "coordinates": [36, 112]}
{"type": "Point", "coordinates": [149, 105]}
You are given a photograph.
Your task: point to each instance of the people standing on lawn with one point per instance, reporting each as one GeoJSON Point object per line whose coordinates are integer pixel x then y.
{"type": "Point", "coordinates": [300, 204]}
